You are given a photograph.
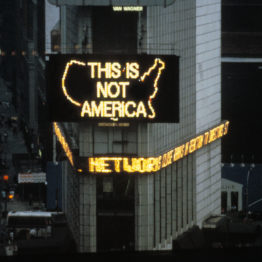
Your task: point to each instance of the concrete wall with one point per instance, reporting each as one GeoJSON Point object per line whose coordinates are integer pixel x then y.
{"type": "Point", "coordinates": [69, 28]}
{"type": "Point", "coordinates": [98, 140]}
{"type": "Point", "coordinates": [188, 191]}
{"type": "Point", "coordinates": [208, 106]}
{"type": "Point", "coordinates": [165, 208]}
{"type": "Point", "coordinates": [76, 24]}
{"type": "Point", "coordinates": [70, 200]}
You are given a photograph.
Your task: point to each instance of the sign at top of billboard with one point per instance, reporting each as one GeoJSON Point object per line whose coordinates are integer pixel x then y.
{"type": "Point", "coordinates": [113, 88]}
{"type": "Point", "coordinates": [112, 2]}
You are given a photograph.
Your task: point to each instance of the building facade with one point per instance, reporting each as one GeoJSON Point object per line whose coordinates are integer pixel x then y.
{"type": "Point", "coordinates": [147, 212]}
{"type": "Point", "coordinates": [23, 101]}
{"type": "Point", "coordinates": [241, 90]}
{"type": "Point", "coordinates": [246, 176]}
{"type": "Point", "coordinates": [231, 196]}
{"type": "Point", "coordinates": [241, 79]}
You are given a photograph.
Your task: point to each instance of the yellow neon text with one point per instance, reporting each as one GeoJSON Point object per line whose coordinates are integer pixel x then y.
{"type": "Point", "coordinates": [186, 148]}
{"type": "Point", "coordinates": [132, 70]}
{"type": "Point", "coordinates": [167, 158]}
{"type": "Point", "coordinates": [63, 143]}
{"type": "Point", "coordinates": [146, 74]}
{"type": "Point", "coordinates": [113, 70]}
{"type": "Point", "coordinates": [178, 153]}
{"type": "Point", "coordinates": [226, 128]}
{"type": "Point", "coordinates": [154, 164]}
{"type": "Point", "coordinates": [113, 109]}
{"type": "Point", "coordinates": [199, 141]}
{"type": "Point", "coordinates": [111, 89]}
{"type": "Point", "coordinates": [99, 165]}
{"type": "Point", "coordinates": [133, 8]}
{"type": "Point", "coordinates": [128, 8]}
{"type": "Point", "coordinates": [64, 79]}
{"type": "Point", "coordinates": [124, 164]}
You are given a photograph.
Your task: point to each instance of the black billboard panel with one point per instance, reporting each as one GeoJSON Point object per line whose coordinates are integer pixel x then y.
{"type": "Point", "coordinates": [117, 88]}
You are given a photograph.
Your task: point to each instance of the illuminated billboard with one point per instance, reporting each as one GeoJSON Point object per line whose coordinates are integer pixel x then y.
{"type": "Point", "coordinates": [113, 88]}
{"type": "Point", "coordinates": [148, 165]}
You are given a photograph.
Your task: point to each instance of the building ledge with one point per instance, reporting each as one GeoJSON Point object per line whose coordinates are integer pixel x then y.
{"type": "Point", "coordinates": [214, 221]}
{"type": "Point", "coordinates": [112, 2]}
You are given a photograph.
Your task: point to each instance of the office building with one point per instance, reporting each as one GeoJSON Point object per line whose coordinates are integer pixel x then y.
{"type": "Point", "coordinates": [241, 79]}
{"type": "Point", "coordinates": [23, 99]}
{"type": "Point", "coordinates": [139, 211]}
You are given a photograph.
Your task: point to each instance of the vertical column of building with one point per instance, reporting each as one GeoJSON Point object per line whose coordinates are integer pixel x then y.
{"type": "Point", "coordinates": [75, 186]}
{"type": "Point", "coordinates": [185, 42]}
{"type": "Point", "coordinates": [163, 206]}
{"type": "Point", "coordinates": [70, 197]}
{"type": "Point", "coordinates": [87, 213]}
{"type": "Point", "coordinates": [191, 190]}
{"type": "Point", "coordinates": [141, 33]}
{"type": "Point", "coordinates": [174, 204]}
{"type": "Point", "coordinates": [168, 205]}
{"type": "Point", "coordinates": [179, 198]}
{"type": "Point", "coordinates": [32, 71]}
{"type": "Point", "coordinates": [171, 30]}
{"type": "Point", "coordinates": [208, 106]}
{"type": "Point", "coordinates": [32, 92]}
{"type": "Point", "coordinates": [144, 217]}
{"type": "Point", "coordinates": [84, 44]}
{"type": "Point", "coordinates": [69, 28]}
{"type": "Point", "coordinates": [144, 194]}
{"type": "Point", "coordinates": [87, 195]}
{"type": "Point", "coordinates": [78, 37]}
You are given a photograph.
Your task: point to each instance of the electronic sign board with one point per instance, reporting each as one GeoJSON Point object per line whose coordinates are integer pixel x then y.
{"type": "Point", "coordinates": [113, 88]}
{"type": "Point", "coordinates": [147, 165]}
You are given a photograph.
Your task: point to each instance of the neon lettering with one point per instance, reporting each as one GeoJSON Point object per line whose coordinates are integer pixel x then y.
{"type": "Point", "coordinates": [114, 90]}
{"type": "Point", "coordinates": [63, 143]}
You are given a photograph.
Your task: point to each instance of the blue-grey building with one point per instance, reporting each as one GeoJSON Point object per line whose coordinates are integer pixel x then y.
{"type": "Point", "coordinates": [250, 177]}
{"type": "Point", "coordinates": [54, 186]}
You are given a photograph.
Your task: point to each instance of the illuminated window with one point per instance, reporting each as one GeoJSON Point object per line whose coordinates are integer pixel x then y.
{"type": "Point", "coordinates": [223, 202]}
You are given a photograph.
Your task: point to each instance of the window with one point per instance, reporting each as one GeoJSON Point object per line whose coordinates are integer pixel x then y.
{"type": "Point", "coordinates": [234, 201]}
{"type": "Point", "coordinates": [223, 202]}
